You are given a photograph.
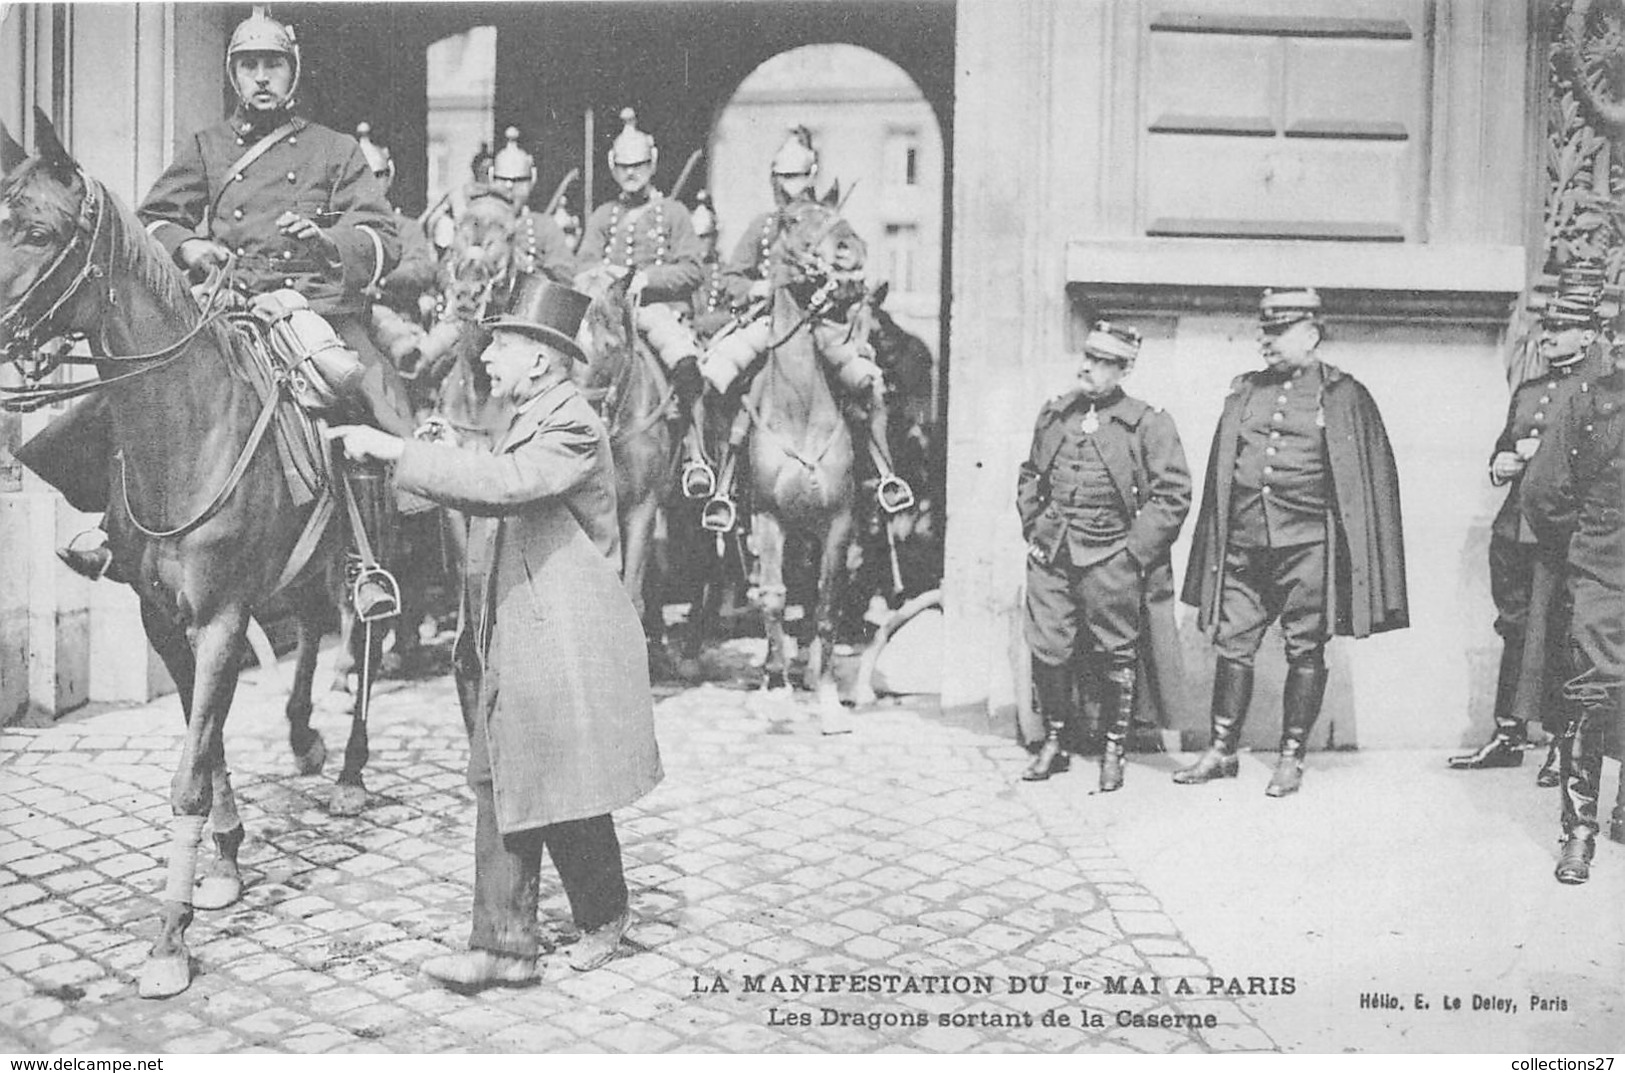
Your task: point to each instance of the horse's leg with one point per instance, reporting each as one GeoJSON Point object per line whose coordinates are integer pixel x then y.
{"type": "Point", "coordinates": [344, 660]}
{"type": "Point", "coordinates": [637, 542]}
{"type": "Point", "coordinates": [349, 795]}
{"type": "Point", "coordinates": [820, 653]}
{"type": "Point", "coordinates": [309, 751]}
{"type": "Point", "coordinates": [770, 596]}
{"type": "Point", "coordinates": [167, 970]}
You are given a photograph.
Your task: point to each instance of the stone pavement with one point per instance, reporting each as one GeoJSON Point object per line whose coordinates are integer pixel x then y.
{"type": "Point", "coordinates": [905, 854]}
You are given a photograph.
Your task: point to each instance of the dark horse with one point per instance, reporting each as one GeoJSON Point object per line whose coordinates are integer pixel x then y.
{"type": "Point", "coordinates": [199, 510]}
{"type": "Point", "coordinates": [801, 449]}
{"type": "Point", "coordinates": [636, 401]}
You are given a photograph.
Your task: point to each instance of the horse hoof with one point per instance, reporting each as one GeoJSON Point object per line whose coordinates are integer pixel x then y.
{"type": "Point", "coordinates": [216, 892]}
{"type": "Point", "coordinates": [162, 977]}
{"type": "Point", "coordinates": [347, 800]}
{"type": "Point", "coordinates": [310, 761]}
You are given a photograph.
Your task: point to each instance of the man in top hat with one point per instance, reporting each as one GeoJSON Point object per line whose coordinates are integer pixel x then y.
{"type": "Point", "coordinates": [293, 206]}
{"type": "Point", "coordinates": [650, 236]}
{"type": "Point", "coordinates": [549, 654]}
{"type": "Point", "coordinates": [758, 265]}
{"type": "Point", "coordinates": [1299, 522]}
{"type": "Point", "coordinates": [538, 243]}
{"type": "Point", "coordinates": [1574, 498]}
{"type": "Point", "coordinates": [1101, 496]}
{"type": "Point", "coordinates": [1531, 610]}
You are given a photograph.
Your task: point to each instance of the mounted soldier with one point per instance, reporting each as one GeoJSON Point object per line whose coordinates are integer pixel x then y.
{"type": "Point", "coordinates": [757, 266]}
{"type": "Point", "coordinates": [651, 236]}
{"type": "Point", "coordinates": [292, 211]}
{"type": "Point", "coordinates": [711, 306]}
{"type": "Point", "coordinates": [539, 244]}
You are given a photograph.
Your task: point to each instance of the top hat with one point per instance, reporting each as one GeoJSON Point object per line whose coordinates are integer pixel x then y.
{"type": "Point", "coordinates": [1284, 308]}
{"type": "Point", "coordinates": [1112, 342]}
{"type": "Point", "coordinates": [547, 311]}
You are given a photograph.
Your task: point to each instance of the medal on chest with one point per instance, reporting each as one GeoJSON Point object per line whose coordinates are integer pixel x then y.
{"type": "Point", "coordinates": [1090, 423]}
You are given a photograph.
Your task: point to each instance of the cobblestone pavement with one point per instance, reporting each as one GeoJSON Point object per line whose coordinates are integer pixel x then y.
{"type": "Point", "coordinates": [906, 849]}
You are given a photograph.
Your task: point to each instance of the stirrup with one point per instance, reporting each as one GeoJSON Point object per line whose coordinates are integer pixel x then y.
{"type": "Point", "coordinates": [383, 585]}
{"type": "Point", "coordinates": [720, 515]}
{"type": "Point", "coordinates": [893, 494]}
{"type": "Point", "coordinates": [699, 480]}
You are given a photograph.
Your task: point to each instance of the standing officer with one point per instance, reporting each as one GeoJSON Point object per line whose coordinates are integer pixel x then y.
{"type": "Point", "coordinates": [1574, 497]}
{"type": "Point", "coordinates": [649, 235]}
{"type": "Point", "coordinates": [1101, 496]}
{"type": "Point", "coordinates": [297, 206]}
{"type": "Point", "coordinates": [1299, 522]}
{"type": "Point", "coordinates": [538, 243]}
{"type": "Point", "coordinates": [549, 654]}
{"type": "Point", "coordinates": [1527, 587]}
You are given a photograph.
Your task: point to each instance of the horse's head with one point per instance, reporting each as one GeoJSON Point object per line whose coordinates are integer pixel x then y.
{"type": "Point", "coordinates": [820, 249]}
{"type": "Point", "coordinates": [49, 216]}
{"type": "Point", "coordinates": [608, 334]}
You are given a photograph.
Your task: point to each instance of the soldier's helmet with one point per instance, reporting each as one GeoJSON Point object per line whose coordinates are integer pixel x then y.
{"type": "Point", "coordinates": [632, 146]}
{"type": "Point", "coordinates": [1113, 342]}
{"type": "Point", "coordinates": [1279, 310]}
{"type": "Point", "coordinates": [1578, 301]}
{"type": "Point", "coordinates": [511, 162]}
{"type": "Point", "coordinates": [796, 157]}
{"type": "Point", "coordinates": [261, 33]}
{"type": "Point", "coordinates": [705, 220]}
{"type": "Point", "coordinates": [378, 158]}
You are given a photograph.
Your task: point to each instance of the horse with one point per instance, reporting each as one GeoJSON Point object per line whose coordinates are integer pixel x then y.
{"type": "Point", "coordinates": [198, 508]}
{"type": "Point", "coordinates": [801, 450]}
{"type": "Point", "coordinates": [624, 380]}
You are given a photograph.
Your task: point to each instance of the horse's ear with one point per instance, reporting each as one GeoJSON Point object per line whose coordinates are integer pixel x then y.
{"type": "Point", "coordinates": [49, 145]}
{"type": "Point", "coordinates": [832, 196]}
{"type": "Point", "coordinates": [877, 297]}
{"type": "Point", "coordinates": [11, 153]}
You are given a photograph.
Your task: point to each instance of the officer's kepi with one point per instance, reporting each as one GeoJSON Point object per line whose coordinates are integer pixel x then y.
{"type": "Point", "coordinates": [1279, 310]}
{"type": "Point", "coordinates": [1112, 342]}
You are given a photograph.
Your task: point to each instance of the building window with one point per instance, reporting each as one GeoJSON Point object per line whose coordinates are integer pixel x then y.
{"type": "Point", "coordinates": [902, 164]}
{"type": "Point", "coordinates": [902, 255]}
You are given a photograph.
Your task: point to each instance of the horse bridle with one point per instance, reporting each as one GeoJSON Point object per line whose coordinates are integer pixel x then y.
{"type": "Point", "coordinates": [25, 332]}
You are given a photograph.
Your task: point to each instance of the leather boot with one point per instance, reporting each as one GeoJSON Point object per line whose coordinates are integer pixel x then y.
{"type": "Point", "coordinates": [1300, 707]}
{"type": "Point", "coordinates": [1054, 688]}
{"type": "Point", "coordinates": [1582, 780]}
{"type": "Point", "coordinates": [87, 554]}
{"type": "Point", "coordinates": [1232, 693]}
{"type": "Point", "coordinates": [1118, 706]}
{"type": "Point", "coordinates": [1550, 773]}
{"type": "Point", "coordinates": [1505, 747]}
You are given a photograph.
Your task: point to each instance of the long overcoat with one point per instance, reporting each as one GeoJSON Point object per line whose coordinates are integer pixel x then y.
{"type": "Point", "coordinates": [1365, 583]}
{"type": "Point", "coordinates": [550, 648]}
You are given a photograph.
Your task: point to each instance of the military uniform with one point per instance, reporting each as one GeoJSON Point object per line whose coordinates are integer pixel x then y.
{"type": "Point", "coordinates": [1527, 587]}
{"type": "Point", "coordinates": [317, 173]}
{"type": "Point", "coordinates": [1299, 523]}
{"type": "Point", "coordinates": [541, 246]}
{"type": "Point", "coordinates": [1574, 498]}
{"type": "Point", "coordinates": [710, 305]}
{"type": "Point", "coordinates": [1102, 495]}
{"type": "Point", "coordinates": [654, 236]}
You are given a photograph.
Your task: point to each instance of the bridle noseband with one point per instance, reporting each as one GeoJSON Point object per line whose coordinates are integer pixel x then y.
{"type": "Point", "coordinates": [26, 325]}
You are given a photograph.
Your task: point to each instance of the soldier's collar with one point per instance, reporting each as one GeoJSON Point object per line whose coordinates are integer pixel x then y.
{"type": "Point", "coordinates": [245, 123]}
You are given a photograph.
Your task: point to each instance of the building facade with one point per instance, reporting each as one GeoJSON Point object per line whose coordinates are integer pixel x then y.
{"type": "Point", "coordinates": [1158, 163]}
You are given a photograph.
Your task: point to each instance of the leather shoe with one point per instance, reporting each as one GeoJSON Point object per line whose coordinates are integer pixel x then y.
{"type": "Point", "coordinates": [1499, 751]}
{"type": "Point", "coordinates": [1574, 859]}
{"type": "Point", "coordinates": [89, 560]}
{"type": "Point", "coordinates": [477, 970]}
{"type": "Point", "coordinates": [596, 947]}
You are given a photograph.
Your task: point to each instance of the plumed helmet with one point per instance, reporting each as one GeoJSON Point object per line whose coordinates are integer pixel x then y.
{"type": "Point", "coordinates": [1113, 342]}
{"type": "Point", "coordinates": [797, 155]}
{"type": "Point", "coordinates": [261, 33]}
{"type": "Point", "coordinates": [705, 220]}
{"type": "Point", "coordinates": [480, 165]}
{"type": "Point", "coordinates": [377, 156]}
{"type": "Point", "coordinates": [512, 162]}
{"type": "Point", "coordinates": [632, 146]}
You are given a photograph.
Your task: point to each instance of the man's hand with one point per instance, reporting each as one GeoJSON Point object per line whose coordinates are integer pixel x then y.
{"type": "Point", "coordinates": [1505, 466]}
{"type": "Point", "coordinates": [305, 230]}
{"type": "Point", "coordinates": [362, 442]}
{"type": "Point", "coordinates": [201, 255]}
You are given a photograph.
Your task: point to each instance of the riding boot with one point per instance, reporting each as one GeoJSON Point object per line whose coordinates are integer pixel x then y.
{"type": "Point", "coordinates": [893, 493]}
{"type": "Point", "coordinates": [88, 555]}
{"type": "Point", "coordinates": [1053, 685]}
{"type": "Point", "coordinates": [721, 512]}
{"type": "Point", "coordinates": [1232, 693]}
{"type": "Point", "coordinates": [1505, 747]}
{"type": "Point", "coordinates": [1300, 707]}
{"type": "Point", "coordinates": [1581, 752]}
{"type": "Point", "coordinates": [1118, 705]}
{"type": "Point", "coordinates": [374, 593]}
